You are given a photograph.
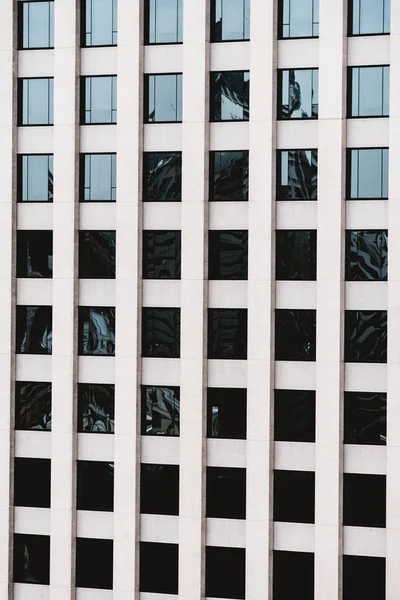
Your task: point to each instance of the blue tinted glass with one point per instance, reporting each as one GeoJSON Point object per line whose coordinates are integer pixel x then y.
{"type": "Point", "coordinates": [100, 100]}
{"type": "Point", "coordinates": [370, 91]}
{"type": "Point", "coordinates": [164, 21]}
{"type": "Point", "coordinates": [231, 20]}
{"type": "Point", "coordinates": [299, 94]}
{"type": "Point", "coordinates": [100, 177]}
{"type": "Point", "coordinates": [300, 18]}
{"type": "Point", "coordinates": [38, 25]}
{"type": "Point", "coordinates": [369, 173]}
{"type": "Point", "coordinates": [37, 178]}
{"type": "Point", "coordinates": [370, 17]}
{"type": "Point", "coordinates": [37, 101]}
{"type": "Point", "coordinates": [164, 98]}
{"type": "Point", "coordinates": [101, 23]}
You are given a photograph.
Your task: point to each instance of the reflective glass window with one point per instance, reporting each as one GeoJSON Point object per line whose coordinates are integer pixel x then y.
{"type": "Point", "coordinates": [295, 332]}
{"type": "Point", "coordinates": [367, 173]}
{"type": "Point", "coordinates": [163, 98]}
{"type": "Point", "coordinates": [34, 329]}
{"type": "Point", "coordinates": [229, 176]}
{"type": "Point", "coordinates": [225, 572]}
{"type": "Point", "coordinates": [31, 562]}
{"type": "Point", "coordinates": [297, 175]}
{"type": "Point", "coordinates": [36, 25]}
{"type": "Point", "coordinates": [293, 571]}
{"type": "Point", "coordinates": [365, 336]}
{"type": "Point", "coordinates": [230, 20]}
{"type": "Point", "coordinates": [227, 333]}
{"type": "Point", "coordinates": [227, 254]}
{"type": "Point", "coordinates": [163, 558]}
{"type": "Point", "coordinates": [162, 176]}
{"type": "Point", "coordinates": [296, 255]}
{"type": "Point", "coordinates": [294, 496]}
{"type": "Point", "coordinates": [368, 91]}
{"type": "Point", "coordinates": [163, 21]}
{"type": "Point", "coordinates": [97, 254]}
{"type": "Point", "coordinates": [96, 331]}
{"type": "Point", "coordinates": [364, 500]}
{"type": "Point", "coordinates": [99, 100]}
{"type": "Point", "coordinates": [96, 408]}
{"type": "Point", "coordinates": [100, 22]}
{"type": "Point", "coordinates": [364, 577]}
{"type": "Point", "coordinates": [229, 96]}
{"type": "Point", "coordinates": [95, 485]}
{"type": "Point", "coordinates": [159, 489]}
{"type": "Point", "coordinates": [226, 493]}
{"type": "Point", "coordinates": [161, 254]}
{"type": "Point", "coordinates": [298, 18]}
{"type": "Point", "coordinates": [32, 482]}
{"type": "Point", "coordinates": [161, 332]}
{"type": "Point", "coordinates": [366, 255]}
{"type": "Point", "coordinates": [98, 177]}
{"type": "Point", "coordinates": [294, 416]}
{"type": "Point", "coordinates": [34, 253]}
{"type": "Point", "coordinates": [368, 17]}
{"type": "Point", "coordinates": [35, 178]}
{"type": "Point", "coordinates": [298, 94]}
{"type": "Point", "coordinates": [227, 413]}
{"type": "Point", "coordinates": [365, 418]}
{"type": "Point", "coordinates": [94, 563]}
{"type": "Point", "coordinates": [160, 410]}
{"type": "Point", "coordinates": [33, 405]}
{"type": "Point", "coordinates": [36, 101]}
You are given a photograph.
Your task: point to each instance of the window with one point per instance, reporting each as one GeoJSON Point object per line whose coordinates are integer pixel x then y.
{"type": "Point", "coordinates": [159, 489]}
{"type": "Point", "coordinates": [31, 559]}
{"type": "Point", "coordinates": [99, 23]}
{"type": "Point", "coordinates": [98, 177]}
{"type": "Point", "coordinates": [35, 178]}
{"type": "Point", "coordinates": [162, 176]}
{"type": "Point", "coordinates": [96, 408]}
{"type": "Point", "coordinates": [297, 175]}
{"type": "Point", "coordinates": [227, 413]}
{"type": "Point", "coordinates": [97, 254]}
{"type": "Point", "coordinates": [368, 91]}
{"type": "Point", "coordinates": [364, 500]}
{"type": "Point", "coordinates": [227, 333]}
{"type": "Point", "coordinates": [298, 18]}
{"type": "Point", "coordinates": [368, 17]}
{"type": "Point", "coordinates": [229, 96]}
{"type": "Point", "coordinates": [294, 496]}
{"type": "Point", "coordinates": [295, 332]}
{"type": "Point", "coordinates": [293, 571]}
{"type": "Point", "coordinates": [161, 254]}
{"type": "Point", "coordinates": [164, 558]}
{"type": "Point", "coordinates": [95, 485]}
{"type": "Point", "coordinates": [365, 336]}
{"type": "Point", "coordinates": [365, 418]}
{"type": "Point", "coordinates": [367, 174]}
{"type": "Point", "coordinates": [36, 25]}
{"type": "Point", "coordinates": [94, 563]}
{"type": "Point", "coordinates": [229, 176]}
{"type": "Point", "coordinates": [296, 255]}
{"type": "Point", "coordinates": [32, 482]}
{"type": "Point", "coordinates": [163, 98]}
{"type": "Point", "coordinates": [227, 254]}
{"type": "Point", "coordinates": [34, 253]}
{"type": "Point", "coordinates": [294, 419]}
{"type": "Point", "coordinates": [163, 21]}
{"type": "Point", "coordinates": [160, 410]}
{"type": "Point", "coordinates": [366, 255]}
{"type": "Point", "coordinates": [161, 332]}
{"type": "Point", "coordinates": [96, 331]}
{"type": "Point", "coordinates": [226, 493]}
{"type": "Point", "coordinates": [99, 100]}
{"type": "Point", "coordinates": [230, 20]}
{"type": "Point", "coordinates": [298, 94]}
{"type": "Point", "coordinates": [36, 100]}
{"type": "Point", "coordinates": [34, 329]}
{"type": "Point", "coordinates": [364, 577]}
{"type": "Point", "coordinates": [225, 572]}
{"type": "Point", "coordinates": [33, 405]}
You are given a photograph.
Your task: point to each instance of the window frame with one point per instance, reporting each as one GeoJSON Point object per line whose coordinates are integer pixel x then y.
{"type": "Point", "coordinates": [350, 70]}
{"type": "Point", "coordinates": [146, 98]}
{"type": "Point", "coordinates": [350, 21]}
{"type": "Point", "coordinates": [21, 6]}
{"type": "Point", "coordinates": [280, 72]}
{"type": "Point", "coordinates": [84, 33]}
{"type": "Point", "coordinates": [281, 24]}
{"type": "Point", "coordinates": [147, 25]}
{"type": "Point", "coordinates": [212, 175]}
{"type": "Point", "coordinates": [20, 177]}
{"type": "Point", "coordinates": [83, 100]}
{"type": "Point", "coordinates": [348, 253]}
{"type": "Point", "coordinates": [82, 175]}
{"type": "Point", "coordinates": [279, 163]}
{"type": "Point", "coordinates": [151, 234]}
{"type": "Point", "coordinates": [20, 101]}
{"type": "Point", "coordinates": [213, 40]}
{"type": "Point", "coordinates": [349, 164]}
{"type": "Point", "coordinates": [212, 107]}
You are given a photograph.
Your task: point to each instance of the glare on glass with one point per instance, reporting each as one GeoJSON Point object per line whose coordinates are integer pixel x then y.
{"type": "Point", "coordinates": [37, 178]}
{"type": "Point", "coordinates": [101, 23]}
{"type": "Point", "coordinates": [38, 25]}
{"type": "Point", "coordinates": [370, 17]}
{"type": "Point", "coordinates": [164, 21]}
{"type": "Point", "coordinates": [300, 18]}
{"type": "Point", "coordinates": [231, 20]}
{"type": "Point", "coordinates": [37, 101]}
{"type": "Point", "coordinates": [100, 177]}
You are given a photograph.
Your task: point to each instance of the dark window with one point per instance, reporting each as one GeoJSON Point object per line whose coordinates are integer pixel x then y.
{"type": "Point", "coordinates": [230, 20]}
{"type": "Point", "coordinates": [99, 100]}
{"type": "Point", "coordinates": [226, 413]}
{"type": "Point", "coordinates": [36, 25]}
{"type": "Point", "coordinates": [227, 333]}
{"type": "Point", "coordinates": [298, 18]}
{"type": "Point", "coordinates": [227, 254]}
{"type": "Point", "coordinates": [32, 482]}
{"type": "Point", "coordinates": [31, 559]}
{"type": "Point", "coordinates": [36, 100]}
{"type": "Point", "coordinates": [33, 405]}
{"type": "Point", "coordinates": [98, 177]}
{"type": "Point", "coordinates": [160, 410]}
{"type": "Point", "coordinates": [229, 96]}
{"type": "Point", "coordinates": [97, 254]}
{"type": "Point", "coordinates": [35, 178]}
{"type": "Point", "coordinates": [226, 493]}
{"type": "Point", "coordinates": [34, 329]}
{"type": "Point", "coordinates": [159, 489]}
{"type": "Point", "coordinates": [161, 332]}
{"type": "Point", "coordinates": [94, 563]}
{"type": "Point", "coordinates": [163, 98]}
{"type": "Point", "coordinates": [294, 416]}
{"type": "Point", "coordinates": [99, 22]}
{"type": "Point", "coordinates": [225, 572]}
{"type": "Point", "coordinates": [162, 558]}
{"type": "Point", "coordinates": [368, 91]}
{"type": "Point", "coordinates": [95, 485]}
{"type": "Point", "coordinates": [96, 407]}
{"type": "Point", "coordinates": [298, 94]}
{"type": "Point", "coordinates": [297, 175]}
{"type": "Point", "coordinates": [296, 255]}
{"type": "Point", "coordinates": [295, 332]}
{"type": "Point", "coordinates": [293, 571]}
{"type": "Point", "coordinates": [161, 254]}
{"type": "Point", "coordinates": [365, 418]}
{"type": "Point", "coordinates": [294, 496]}
{"type": "Point", "coordinates": [364, 577]}
{"type": "Point", "coordinates": [364, 500]}
{"type": "Point", "coordinates": [162, 176]}
{"type": "Point", "coordinates": [365, 336]}
{"type": "Point", "coordinates": [229, 176]}
{"type": "Point", "coordinates": [366, 255]}
{"type": "Point", "coordinates": [163, 21]}
{"type": "Point", "coordinates": [96, 331]}
{"type": "Point", "coordinates": [34, 253]}
{"type": "Point", "coordinates": [367, 173]}
{"type": "Point", "coordinates": [368, 17]}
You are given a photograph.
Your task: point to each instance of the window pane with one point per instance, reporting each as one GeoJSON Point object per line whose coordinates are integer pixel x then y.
{"type": "Point", "coordinates": [230, 96]}
{"type": "Point", "coordinates": [366, 255]}
{"type": "Point", "coordinates": [370, 91]}
{"type": "Point", "coordinates": [300, 17]}
{"type": "Point", "coordinates": [96, 408]}
{"type": "Point", "coordinates": [32, 482]}
{"type": "Point", "coordinates": [296, 255]}
{"type": "Point", "coordinates": [226, 413]}
{"type": "Point", "coordinates": [298, 173]}
{"type": "Point", "coordinates": [37, 102]}
{"type": "Point", "coordinates": [97, 254]}
{"type": "Point", "coordinates": [364, 500]}
{"type": "Point", "coordinates": [33, 406]}
{"type": "Point", "coordinates": [34, 329]}
{"type": "Point", "coordinates": [31, 559]}
{"type": "Point", "coordinates": [294, 496]}
{"type": "Point", "coordinates": [94, 563]}
{"type": "Point", "coordinates": [226, 493]}
{"type": "Point", "coordinates": [35, 178]}
{"type": "Point", "coordinates": [368, 173]}
{"type": "Point", "coordinates": [160, 410]}
{"type": "Point", "coordinates": [163, 557]}
{"type": "Point", "coordinates": [162, 176]}
{"type": "Point", "coordinates": [100, 100]}
{"type": "Point", "coordinates": [229, 176]}
{"type": "Point", "coordinates": [227, 333]}
{"type": "Point", "coordinates": [95, 485]}
{"type": "Point", "coordinates": [162, 254]}
{"type": "Point", "coordinates": [295, 334]}
{"type": "Point", "coordinates": [153, 479]}
{"type": "Point", "coordinates": [37, 25]}
{"type": "Point", "coordinates": [287, 586]}
{"type": "Point", "coordinates": [164, 21]}
{"type": "Point", "coordinates": [364, 577]}
{"type": "Point", "coordinates": [231, 20]}
{"type": "Point", "coordinates": [370, 16]}
{"type": "Point", "coordinates": [225, 572]}
{"type": "Point", "coordinates": [294, 416]}
{"type": "Point", "coordinates": [100, 22]}
{"type": "Point", "coordinates": [298, 94]}
{"type": "Point", "coordinates": [365, 418]}
{"type": "Point", "coordinates": [164, 98]}
{"type": "Point", "coordinates": [366, 336]}
{"type": "Point", "coordinates": [96, 331]}
{"type": "Point", "coordinates": [161, 329]}
{"type": "Point", "coordinates": [34, 253]}
{"type": "Point", "coordinates": [99, 178]}
{"type": "Point", "coordinates": [227, 254]}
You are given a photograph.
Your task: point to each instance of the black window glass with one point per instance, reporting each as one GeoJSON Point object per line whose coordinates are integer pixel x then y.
{"type": "Point", "coordinates": [364, 500]}
{"type": "Point", "coordinates": [35, 178]}
{"type": "Point", "coordinates": [36, 25]}
{"type": "Point", "coordinates": [162, 176]}
{"type": "Point", "coordinates": [163, 98]}
{"type": "Point", "coordinates": [160, 410]}
{"type": "Point", "coordinates": [298, 18]}
{"type": "Point", "coordinates": [227, 333]}
{"type": "Point", "coordinates": [365, 418]}
{"type": "Point", "coordinates": [32, 482]}
{"type": "Point", "coordinates": [98, 177]}
{"type": "Point", "coordinates": [230, 20]}
{"type": "Point", "coordinates": [31, 559]}
{"type": "Point", "coordinates": [229, 96]}
{"type": "Point", "coordinates": [96, 331]}
{"type": "Point", "coordinates": [227, 254]}
{"type": "Point", "coordinates": [94, 563]}
{"type": "Point", "coordinates": [364, 577]}
{"type": "Point", "coordinates": [100, 22]}
{"type": "Point", "coordinates": [95, 485]}
{"type": "Point", "coordinates": [365, 336]}
{"type": "Point", "coordinates": [226, 493]}
{"type": "Point", "coordinates": [367, 173]}
{"type": "Point", "coordinates": [163, 21]}
{"type": "Point", "coordinates": [225, 572]}
{"type": "Point", "coordinates": [163, 558]}
{"type": "Point", "coordinates": [34, 329]}
{"type": "Point", "coordinates": [36, 100]}
{"type": "Point", "coordinates": [161, 254]}
{"type": "Point", "coordinates": [297, 175]}
{"type": "Point", "coordinates": [33, 405]}
{"type": "Point", "coordinates": [293, 571]}
{"type": "Point", "coordinates": [366, 255]}
{"type": "Point", "coordinates": [298, 94]}
{"type": "Point", "coordinates": [368, 91]}
{"type": "Point", "coordinates": [369, 17]}
{"type": "Point", "coordinates": [97, 254]}
{"type": "Point", "coordinates": [226, 413]}
{"type": "Point", "coordinates": [229, 176]}
{"type": "Point", "coordinates": [295, 332]}
{"type": "Point", "coordinates": [34, 253]}
{"type": "Point", "coordinates": [99, 100]}
{"type": "Point", "coordinates": [294, 419]}
{"type": "Point", "coordinates": [296, 255]}
{"type": "Point", "coordinates": [294, 496]}
{"type": "Point", "coordinates": [159, 489]}
{"type": "Point", "coordinates": [96, 408]}
{"type": "Point", "coordinates": [161, 332]}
